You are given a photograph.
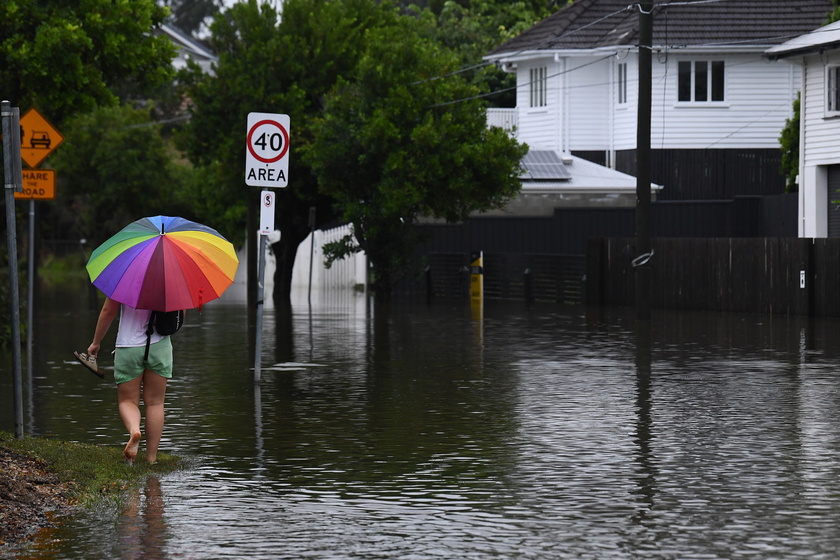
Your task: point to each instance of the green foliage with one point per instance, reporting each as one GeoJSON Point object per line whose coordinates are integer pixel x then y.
{"type": "Point", "coordinates": [64, 57]}
{"type": "Point", "coordinates": [475, 29]}
{"type": "Point", "coordinates": [389, 149]}
{"type": "Point", "coordinates": [271, 65]}
{"type": "Point", "coordinates": [374, 70]}
{"type": "Point", "coordinates": [834, 15]}
{"type": "Point", "coordinates": [69, 58]}
{"type": "Point", "coordinates": [190, 15]}
{"type": "Point", "coordinates": [115, 168]}
{"type": "Point", "coordinates": [789, 141]}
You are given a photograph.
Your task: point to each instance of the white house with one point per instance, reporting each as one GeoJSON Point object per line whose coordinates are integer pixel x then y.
{"type": "Point", "coordinates": [188, 49]}
{"type": "Point", "coordinates": [817, 57]}
{"type": "Point", "coordinates": [718, 105]}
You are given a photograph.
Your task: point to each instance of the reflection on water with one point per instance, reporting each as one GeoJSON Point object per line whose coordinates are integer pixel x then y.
{"type": "Point", "coordinates": [420, 431]}
{"type": "Point", "coordinates": [141, 526]}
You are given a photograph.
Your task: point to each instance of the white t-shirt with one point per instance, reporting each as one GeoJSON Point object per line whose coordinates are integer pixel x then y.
{"type": "Point", "coordinates": [132, 329]}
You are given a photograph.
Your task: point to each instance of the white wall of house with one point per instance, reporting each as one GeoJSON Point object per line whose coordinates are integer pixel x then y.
{"type": "Point", "coordinates": [819, 145]}
{"type": "Point", "coordinates": [539, 126]}
{"type": "Point", "coordinates": [758, 97]}
{"type": "Point", "coordinates": [625, 115]}
{"type": "Point", "coordinates": [588, 93]}
{"type": "Point", "coordinates": [583, 112]}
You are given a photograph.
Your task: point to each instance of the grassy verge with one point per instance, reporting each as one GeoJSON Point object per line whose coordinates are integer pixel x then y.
{"type": "Point", "coordinates": [91, 472]}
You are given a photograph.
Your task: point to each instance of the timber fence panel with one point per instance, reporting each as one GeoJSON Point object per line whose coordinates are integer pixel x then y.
{"type": "Point", "coordinates": [751, 275]}
{"type": "Point", "coordinates": [826, 277]}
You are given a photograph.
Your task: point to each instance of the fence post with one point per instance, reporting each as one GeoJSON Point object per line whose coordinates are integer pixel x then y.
{"type": "Point", "coordinates": [526, 282]}
{"type": "Point", "coordinates": [464, 273]}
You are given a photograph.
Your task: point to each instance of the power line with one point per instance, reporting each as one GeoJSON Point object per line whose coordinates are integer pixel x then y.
{"type": "Point", "coordinates": [480, 95]}
{"type": "Point", "coordinates": [544, 43]}
{"type": "Point", "coordinates": [548, 42]}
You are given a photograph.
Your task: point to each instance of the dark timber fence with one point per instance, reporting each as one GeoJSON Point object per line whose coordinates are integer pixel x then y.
{"type": "Point", "coordinates": [738, 255]}
{"type": "Point", "coordinates": [781, 276]}
{"type": "Point", "coordinates": [528, 277]}
{"type": "Point", "coordinates": [786, 276]}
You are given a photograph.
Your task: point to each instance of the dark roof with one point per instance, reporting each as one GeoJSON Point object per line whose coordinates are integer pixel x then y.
{"type": "Point", "coordinates": [589, 24]}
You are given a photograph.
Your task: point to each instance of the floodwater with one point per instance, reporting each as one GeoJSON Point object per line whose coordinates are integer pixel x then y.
{"type": "Point", "coordinates": [432, 431]}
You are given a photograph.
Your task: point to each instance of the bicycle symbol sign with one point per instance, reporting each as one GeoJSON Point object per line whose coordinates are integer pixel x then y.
{"type": "Point", "coordinates": [267, 156]}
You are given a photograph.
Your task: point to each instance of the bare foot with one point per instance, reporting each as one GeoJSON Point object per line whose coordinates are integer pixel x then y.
{"type": "Point", "coordinates": [130, 451]}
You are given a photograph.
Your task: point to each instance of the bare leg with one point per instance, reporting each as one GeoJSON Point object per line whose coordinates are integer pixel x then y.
{"type": "Point", "coordinates": [154, 394]}
{"type": "Point", "coordinates": [128, 397]}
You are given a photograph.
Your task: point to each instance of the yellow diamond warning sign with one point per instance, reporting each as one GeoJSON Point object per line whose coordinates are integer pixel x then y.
{"type": "Point", "coordinates": [38, 138]}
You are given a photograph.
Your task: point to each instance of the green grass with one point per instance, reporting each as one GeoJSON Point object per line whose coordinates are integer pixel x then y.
{"type": "Point", "coordinates": [93, 472]}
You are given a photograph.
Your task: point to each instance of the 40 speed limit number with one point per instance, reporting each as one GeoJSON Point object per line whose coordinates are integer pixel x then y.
{"type": "Point", "coordinates": [267, 153]}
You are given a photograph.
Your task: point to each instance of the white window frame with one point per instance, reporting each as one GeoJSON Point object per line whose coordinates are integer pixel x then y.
{"type": "Point", "coordinates": [832, 90]}
{"type": "Point", "coordinates": [538, 87]}
{"type": "Point", "coordinates": [621, 83]}
{"type": "Point", "coordinates": [707, 67]}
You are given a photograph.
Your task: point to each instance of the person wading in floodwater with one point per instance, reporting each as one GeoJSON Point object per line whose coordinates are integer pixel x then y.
{"type": "Point", "coordinates": [136, 372]}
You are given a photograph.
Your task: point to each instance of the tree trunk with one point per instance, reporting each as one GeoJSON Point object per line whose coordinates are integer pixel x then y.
{"type": "Point", "coordinates": [292, 215]}
{"type": "Point", "coordinates": [285, 251]}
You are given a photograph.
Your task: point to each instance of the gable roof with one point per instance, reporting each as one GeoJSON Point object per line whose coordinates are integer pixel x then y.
{"type": "Point", "coordinates": [818, 40]}
{"type": "Point", "coordinates": [592, 24]}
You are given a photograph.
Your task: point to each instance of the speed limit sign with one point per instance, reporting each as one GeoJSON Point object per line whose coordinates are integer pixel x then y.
{"type": "Point", "coordinates": [267, 153]}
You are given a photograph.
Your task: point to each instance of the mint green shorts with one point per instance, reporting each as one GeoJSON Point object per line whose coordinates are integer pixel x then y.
{"type": "Point", "coordinates": [129, 363]}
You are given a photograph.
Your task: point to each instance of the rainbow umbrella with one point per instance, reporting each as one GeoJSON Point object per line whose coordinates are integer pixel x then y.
{"type": "Point", "coordinates": [163, 264]}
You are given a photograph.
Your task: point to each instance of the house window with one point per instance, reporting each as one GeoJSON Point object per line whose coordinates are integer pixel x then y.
{"type": "Point", "coordinates": [622, 83]}
{"type": "Point", "coordinates": [700, 81]}
{"type": "Point", "coordinates": [539, 87]}
{"type": "Point", "coordinates": [832, 90]}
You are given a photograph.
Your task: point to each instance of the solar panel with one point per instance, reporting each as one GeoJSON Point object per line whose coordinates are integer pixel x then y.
{"type": "Point", "coordinates": [543, 165]}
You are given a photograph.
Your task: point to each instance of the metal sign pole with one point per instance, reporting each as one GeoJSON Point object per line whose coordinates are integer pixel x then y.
{"type": "Point", "coordinates": [266, 165]}
{"type": "Point", "coordinates": [260, 294]}
{"type": "Point", "coordinates": [13, 183]}
{"type": "Point", "coordinates": [311, 250]}
{"type": "Point", "coordinates": [266, 227]}
{"type": "Point", "coordinates": [30, 295]}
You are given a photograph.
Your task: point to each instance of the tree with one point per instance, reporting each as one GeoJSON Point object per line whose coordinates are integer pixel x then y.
{"type": "Point", "coordinates": [472, 29]}
{"type": "Point", "coordinates": [789, 141]}
{"type": "Point", "coordinates": [191, 16]}
{"type": "Point", "coordinates": [64, 57]}
{"type": "Point", "coordinates": [287, 64]}
{"type": "Point", "coordinates": [834, 15]}
{"type": "Point", "coordinates": [68, 58]}
{"type": "Point", "coordinates": [397, 143]}
{"type": "Point", "coordinates": [114, 168]}
{"type": "Point", "coordinates": [273, 65]}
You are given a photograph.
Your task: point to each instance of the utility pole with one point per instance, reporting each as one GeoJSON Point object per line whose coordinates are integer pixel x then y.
{"type": "Point", "coordinates": [643, 272]}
